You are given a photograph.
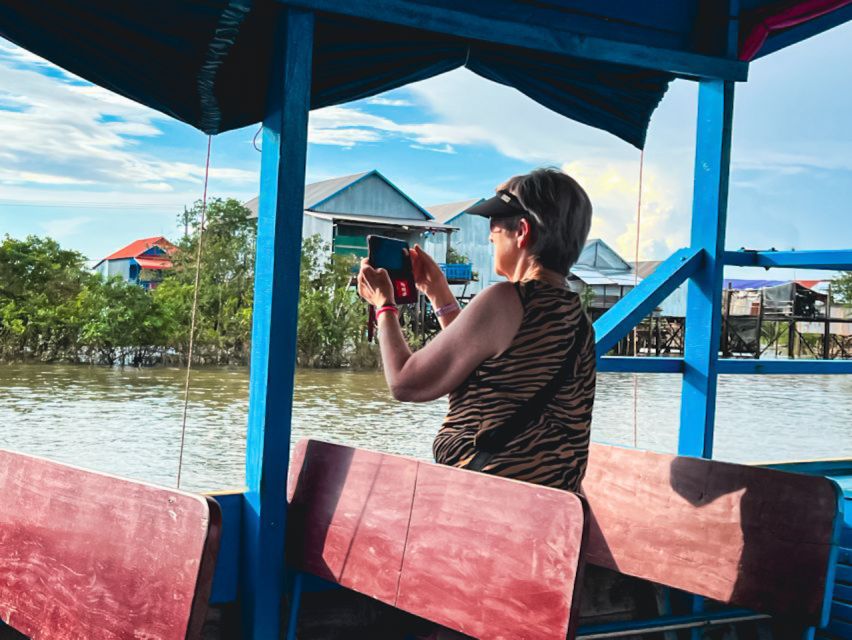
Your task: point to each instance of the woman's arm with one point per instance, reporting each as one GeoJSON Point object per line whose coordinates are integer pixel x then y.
{"type": "Point", "coordinates": [486, 328]}
{"type": "Point", "coordinates": [433, 283]}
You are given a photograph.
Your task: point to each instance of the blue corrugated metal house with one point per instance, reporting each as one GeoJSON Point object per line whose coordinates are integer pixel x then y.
{"type": "Point", "coordinates": [141, 262]}
{"type": "Point", "coordinates": [468, 237]}
{"type": "Point", "coordinates": [344, 211]}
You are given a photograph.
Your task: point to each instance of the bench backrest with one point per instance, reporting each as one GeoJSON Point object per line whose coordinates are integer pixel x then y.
{"type": "Point", "coordinates": [486, 556]}
{"type": "Point", "coordinates": [754, 537]}
{"type": "Point", "coordinates": [86, 555]}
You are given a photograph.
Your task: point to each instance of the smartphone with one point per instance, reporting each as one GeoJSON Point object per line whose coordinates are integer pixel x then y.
{"type": "Point", "coordinates": [392, 255]}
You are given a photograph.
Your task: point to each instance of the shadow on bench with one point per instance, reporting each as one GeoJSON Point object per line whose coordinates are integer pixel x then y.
{"type": "Point", "coordinates": [495, 558]}
{"type": "Point", "coordinates": [485, 556]}
{"type": "Point", "coordinates": [86, 555]}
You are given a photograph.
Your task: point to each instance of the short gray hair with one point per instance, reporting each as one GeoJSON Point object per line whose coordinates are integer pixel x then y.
{"type": "Point", "coordinates": [561, 215]}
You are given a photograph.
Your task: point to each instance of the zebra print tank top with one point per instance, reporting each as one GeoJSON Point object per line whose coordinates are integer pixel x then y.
{"type": "Point", "coordinates": [554, 449]}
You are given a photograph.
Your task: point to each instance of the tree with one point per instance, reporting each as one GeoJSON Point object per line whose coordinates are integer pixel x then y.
{"type": "Point", "coordinates": [120, 322]}
{"type": "Point", "coordinates": [841, 287]}
{"type": "Point", "coordinates": [332, 319]}
{"type": "Point", "coordinates": [38, 284]}
{"type": "Point", "coordinates": [226, 283]}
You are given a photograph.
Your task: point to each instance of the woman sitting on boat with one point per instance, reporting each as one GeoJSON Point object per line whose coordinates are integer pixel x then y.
{"type": "Point", "coordinates": [518, 362]}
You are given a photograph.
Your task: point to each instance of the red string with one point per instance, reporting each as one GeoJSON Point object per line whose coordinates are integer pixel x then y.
{"type": "Point", "coordinates": [194, 309]}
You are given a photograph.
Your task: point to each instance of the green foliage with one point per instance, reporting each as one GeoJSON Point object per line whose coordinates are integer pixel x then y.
{"type": "Point", "coordinates": [332, 319]}
{"type": "Point", "coordinates": [53, 308]}
{"type": "Point", "coordinates": [454, 257]}
{"type": "Point", "coordinates": [225, 285]}
{"type": "Point", "coordinates": [39, 282]}
{"type": "Point", "coordinates": [119, 321]}
{"type": "Point", "coordinates": [586, 297]}
{"type": "Point", "coordinates": [841, 288]}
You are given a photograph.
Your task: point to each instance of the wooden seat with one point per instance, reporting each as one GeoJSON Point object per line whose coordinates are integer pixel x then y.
{"type": "Point", "coordinates": [486, 556]}
{"type": "Point", "coordinates": [89, 556]}
{"type": "Point", "coordinates": [747, 536]}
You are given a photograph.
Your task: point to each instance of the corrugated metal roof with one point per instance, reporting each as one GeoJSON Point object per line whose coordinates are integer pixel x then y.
{"type": "Point", "coordinates": [138, 247]}
{"type": "Point", "coordinates": [316, 192]}
{"type": "Point", "coordinates": [382, 220]}
{"type": "Point", "coordinates": [595, 277]}
{"type": "Point", "coordinates": [446, 212]}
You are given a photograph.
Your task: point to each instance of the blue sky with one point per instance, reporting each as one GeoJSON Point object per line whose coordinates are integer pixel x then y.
{"type": "Point", "coordinates": [96, 171]}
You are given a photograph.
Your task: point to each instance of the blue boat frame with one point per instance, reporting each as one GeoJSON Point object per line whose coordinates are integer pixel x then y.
{"type": "Point", "coordinates": [262, 510]}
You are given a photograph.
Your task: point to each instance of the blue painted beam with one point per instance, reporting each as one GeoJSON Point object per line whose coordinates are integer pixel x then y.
{"type": "Point", "coordinates": [226, 576]}
{"type": "Point", "coordinates": [276, 301]}
{"type": "Point", "coordinates": [667, 623]}
{"type": "Point", "coordinates": [704, 300]}
{"type": "Point", "coordinates": [540, 37]}
{"type": "Point", "coordinates": [618, 364]}
{"type": "Point", "coordinates": [641, 301]}
{"type": "Point", "coordinates": [784, 367]}
{"type": "Point", "coordinates": [830, 260]}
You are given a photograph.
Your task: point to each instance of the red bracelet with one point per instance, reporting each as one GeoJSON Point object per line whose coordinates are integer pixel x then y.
{"type": "Point", "coordinates": [387, 307]}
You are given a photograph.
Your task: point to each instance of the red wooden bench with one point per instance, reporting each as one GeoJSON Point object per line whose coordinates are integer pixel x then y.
{"type": "Point", "coordinates": [756, 538]}
{"type": "Point", "coordinates": [86, 555]}
{"type": "Point", "coordinates": [467, 550]}
{"type": "Point", "coordinates": [486, 556]}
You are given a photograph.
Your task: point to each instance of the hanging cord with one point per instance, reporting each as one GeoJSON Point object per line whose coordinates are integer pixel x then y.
{"type": "Point", "coordinates": [194, 310]}
{"type": "Point", "coordinates": [635, 284]}
{"type": "Point", "coordinates": [254, 139]}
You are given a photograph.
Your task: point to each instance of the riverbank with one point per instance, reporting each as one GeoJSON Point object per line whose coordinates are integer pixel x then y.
{"type": "Point", "coordinates": [128, 421]}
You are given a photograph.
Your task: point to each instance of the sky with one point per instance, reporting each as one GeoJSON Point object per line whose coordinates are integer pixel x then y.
{"type": "Point", "coordinates": [96, 171]}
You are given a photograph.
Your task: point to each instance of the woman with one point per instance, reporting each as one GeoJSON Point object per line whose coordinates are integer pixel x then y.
{"type": "Point", "coordinates": [516, 408]}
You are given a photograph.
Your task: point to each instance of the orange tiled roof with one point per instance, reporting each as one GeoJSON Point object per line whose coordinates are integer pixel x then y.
{"type": "Point", "coordinates": [139, 247]}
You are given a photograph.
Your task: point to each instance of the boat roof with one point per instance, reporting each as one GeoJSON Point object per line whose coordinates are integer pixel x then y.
{"type": "Point", "coordinates": [606, 64]}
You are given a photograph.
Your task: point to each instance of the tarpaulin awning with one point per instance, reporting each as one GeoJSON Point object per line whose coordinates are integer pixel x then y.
{"type": "Point", "coordinates": [206, 62]}
{"type": "Point", "coordinates": [154, 263]}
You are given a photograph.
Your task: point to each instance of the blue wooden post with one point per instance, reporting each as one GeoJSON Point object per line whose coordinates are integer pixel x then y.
{"type": "Point", "coordinates": [704, 312]}
{"type": "Point", "coordinates": [276, 299]}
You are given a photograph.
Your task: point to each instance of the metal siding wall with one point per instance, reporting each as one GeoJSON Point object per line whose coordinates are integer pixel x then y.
{"type": "Point", "coordinates": [472, 240]}
{"type": "Point", "coordinates": [436, 246]}
{"type": "Point", "coordinates": [119, 268]}
{"type": "Point", "coordinates": [317, 226]}
{"type": "Point", "coordinates": [372, 196]}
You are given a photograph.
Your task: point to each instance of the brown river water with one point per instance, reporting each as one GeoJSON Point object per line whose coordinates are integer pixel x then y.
{"type": "Point", "coordinates": [128, 421]}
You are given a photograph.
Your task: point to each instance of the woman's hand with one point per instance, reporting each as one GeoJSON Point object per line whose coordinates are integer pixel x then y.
{"type": "Point", "coordinates": [428, 275]}
{"type": "Point", "coordinates": [374, 285]}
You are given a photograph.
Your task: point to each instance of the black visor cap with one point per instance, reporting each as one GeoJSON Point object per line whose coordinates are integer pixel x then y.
{"type": "Point", "coordinates": [503, 205]}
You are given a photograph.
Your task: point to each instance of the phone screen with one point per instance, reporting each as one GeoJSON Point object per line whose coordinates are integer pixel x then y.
{"type": "Point", "coordinates": [387, 253]}
{"type": "Point", "coordinates": [392, 255]}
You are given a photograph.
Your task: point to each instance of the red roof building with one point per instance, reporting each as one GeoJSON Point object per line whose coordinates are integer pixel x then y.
{"type": "Point", "coordinates": [141, 262]}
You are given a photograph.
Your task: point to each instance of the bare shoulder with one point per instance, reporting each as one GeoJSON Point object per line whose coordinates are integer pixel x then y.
{"type": "Point", "coordinates": [499, 295]}
{"type": "Point", "coordinates": [497, 310]}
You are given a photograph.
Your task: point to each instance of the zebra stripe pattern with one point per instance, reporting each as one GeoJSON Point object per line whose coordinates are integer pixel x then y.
{"type": "Point", "coordinates": [553, 450]}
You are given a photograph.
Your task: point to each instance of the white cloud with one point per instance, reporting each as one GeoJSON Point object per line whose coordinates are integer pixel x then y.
{"type": "Point", "coordinates": [614, 191]}
{"type": "Point", "coordinates": [59, 130]}
{"type": "Point", "coordinates": [390, 102]}
{"type": "Point", "coordinates": [444, 149]}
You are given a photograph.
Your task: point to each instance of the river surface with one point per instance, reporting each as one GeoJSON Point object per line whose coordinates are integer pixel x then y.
{"type": "Point", "coordinates": [128, 421]}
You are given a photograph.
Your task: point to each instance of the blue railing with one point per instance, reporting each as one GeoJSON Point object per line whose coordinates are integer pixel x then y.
{"type": "Point", "coordinates": [457, 271]}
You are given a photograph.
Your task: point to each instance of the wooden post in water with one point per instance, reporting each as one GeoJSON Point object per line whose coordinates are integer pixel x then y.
{"type": "Point", "coordinates": [826, 336]}
{"type": "Point", "coordinates": [791, 338]}
{"type": "Point", "coordinates": [757, 351]}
